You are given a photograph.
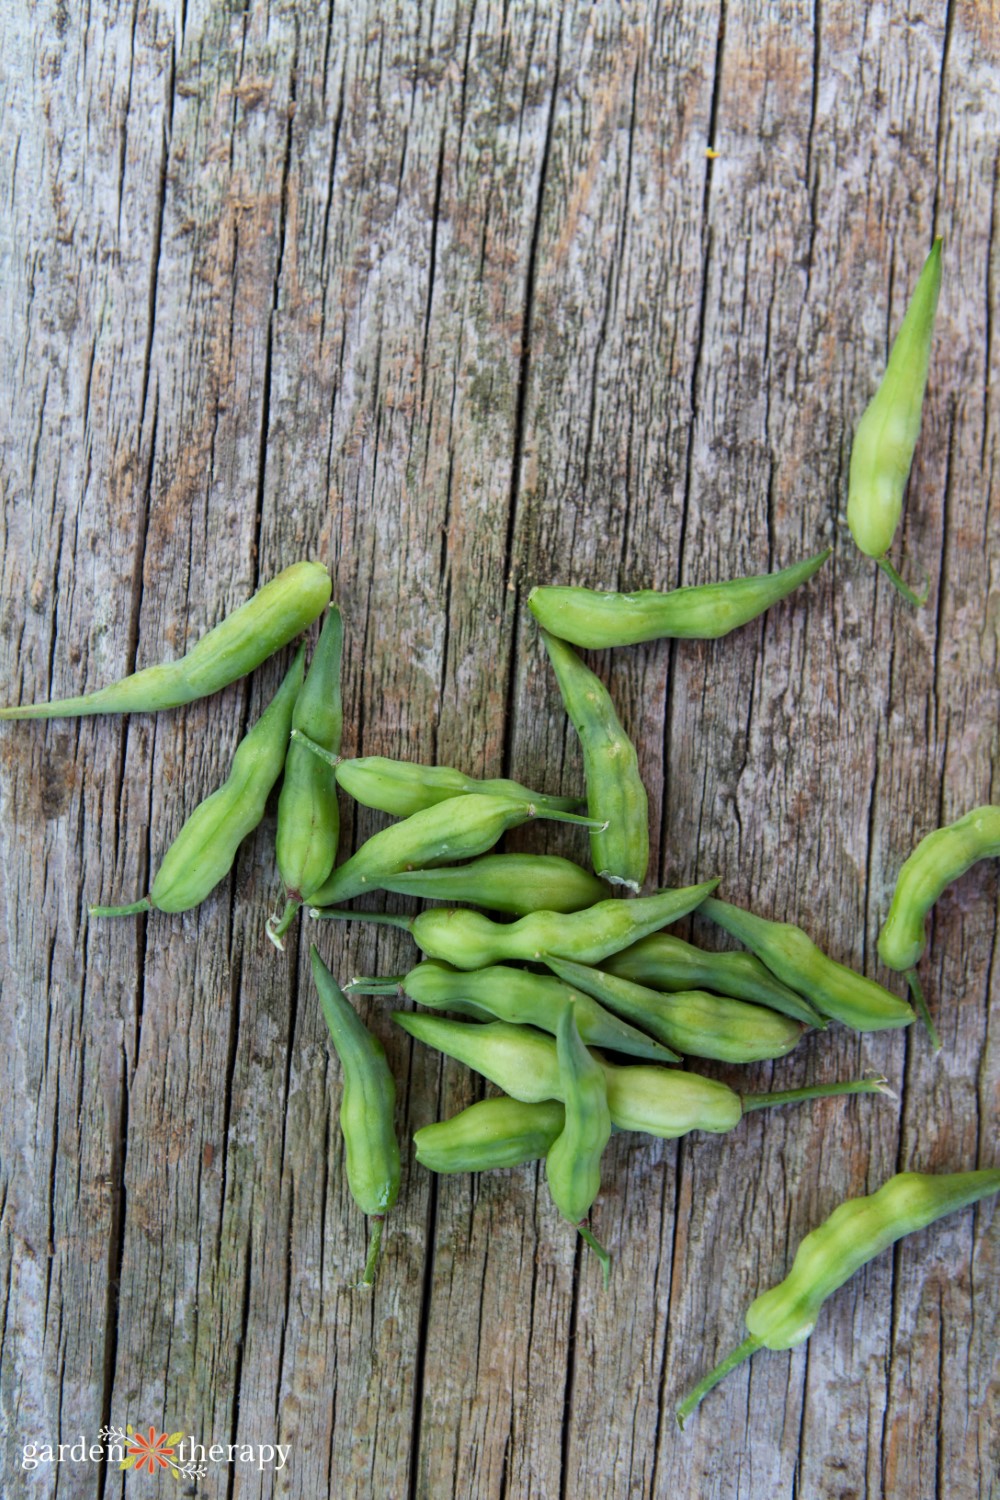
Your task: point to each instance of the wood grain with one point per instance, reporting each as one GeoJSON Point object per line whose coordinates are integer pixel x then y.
{"type": "Point", "coordinates": [457, 299]}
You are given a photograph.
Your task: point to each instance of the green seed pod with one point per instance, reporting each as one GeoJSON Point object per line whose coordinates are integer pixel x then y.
{"type": "Point", "coordinates": [522, 998]}
{"type": "Point", "coordinates": [664, 1102]}
{"type": "Point", "coordinates": [402, 787]}
{"type": "Point", "coordinates": [664, 962]}
{"type": "Point", "coordinates": [493, 1133]}
{"type": "Point", "coordinates": [308, 817]}
{"type": "Point", "coordinates": [573, 1163]}
{"type": "Point", "coordinates": [833, 988]}
{"type": "Point", "coordinates": [937, 860]}
{"type": "Point", "coordinates": [366, 1109]}
{"type": "Point", "coordinates": [469, 940]}
{"type": "Point", "coordinates": [440, 834]}
{"type": "Point", "coordinates": [884, 443]}
{"type": "Point", "coordinates": [596, 620]}
{"type": "Point", "coordinates": [615, 793]}
{"type": "Point", "coordinates": [202, 854]}
{"type": "Point", "coordinates": [853, 1235]}
{"type": "Point", "coordinates": [274, 616]}
{"type": "Point", "coordinates": [696, 1023]}
{"type": "Point", "coordinates": [515, 883]}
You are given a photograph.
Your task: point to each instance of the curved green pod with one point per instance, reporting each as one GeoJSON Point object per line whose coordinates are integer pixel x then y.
{"type": "Point", "coordinates": [513, 883]}
{"type": "Point", "coordinates": [596, 619]}
{"type": "Point", "coordinates": [468, 940]}
{"type": "Point", "coordinates": [524, 998]}
{"type": "Point", "coordinates": [573, 1161]}
{"type": "Point", "coordinates": [937, 860]}
{"type": "Point", "coordinates": [308, 829]}
{"type": "Point", "coordinates": [367, 1109]}
{"type": "Point", "coordinates": [694, 1022]}
{"type": "Point", "coordinates": [455, 829]}
{"type": "Point", "coordinates": [854, 1234]}
{"type": "Point", "coordinates": [834, 989]}
{"type": "Point", "coordinates": [493, 1133]}
{"type": "Point", "coordinates": [403, 787]}
{"type": "Point", "coordinates": [886, 436]}
{"type": "Point", "coordinates": [277, 613]}
{"type": "Point", "coordinates": [665, 962]}
{"type": "Point", "coordinates": [664, 1102]}
{"type": "Point", "coordinates": [616, 796]}
{"type": "Point", "coordinates": [202, 854]}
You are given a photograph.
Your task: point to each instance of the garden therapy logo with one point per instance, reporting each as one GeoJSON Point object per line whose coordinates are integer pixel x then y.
{"type": "Point", "coordinates": [149, 1451]}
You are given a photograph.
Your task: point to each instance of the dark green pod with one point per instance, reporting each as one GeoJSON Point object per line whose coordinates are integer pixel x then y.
{"type": "Point", "coordinates": [493, 1133]}
{"type": "Point", "coordinates": [665, 962]}
{"type": "Point", "coordinates": [596, 620]}
{"type": "Point", "coordinates": [514, 883]}
{"type": "Point", "coordinates": [277, 613]}
{"type": "Point", "coordinates": [308, 816]}
{"type": "Point", "coordinates": [366, 1109]}
{"type": "Point", "coordinates": [616, 796]}
{"type": "Point", "coordinates": [468, 940]}
{"type": "Point", "coordinates": [455, 829]}
{"type": "Point", "coordinates": [696, 1023]}
{"type": "Point", "coordinates": [202, 854]}
{"type": "Point", "coordinates": [833, 988]}
{"type": "Point", "coordinates": [573, 1163]}
{"type": "Point", "coordinates": [527, 999]}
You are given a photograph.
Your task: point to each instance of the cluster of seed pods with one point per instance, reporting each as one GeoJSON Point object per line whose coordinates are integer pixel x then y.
{"type": "Point", "coordinates": [576, 974]}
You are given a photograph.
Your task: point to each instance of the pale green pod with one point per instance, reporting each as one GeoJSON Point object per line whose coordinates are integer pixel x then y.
{"type": "Point", "coordinates": [468, 940]}
{"type": "Point", "coordinates": [938, 859]}
{"type": "Point", "coordinates": [203, 852]}
{"type": "Point", "coordinates": [665, 962]}
{"type": "Point", "coordinates": [308, 831]}
{"type": "Point", "coordinates": [367, 1106]}
{"type": "Point", "coordinates": [514, 883]}
{"type": "Point", "coordinates": [573, 1162]}
{"type": "Point", "coordinates": [854, 1234]}
{"type": "Point", "coordinates": [833, 988]}
{"type": "Point", "coordinates": [616, 796]}
{"type": "Point", "coordinates": [492, 1133]}
{"type": "Point", "coordinates": [596, 620]}
{"type": "Point", "coordinates": [277, 613]}
{"type": "Point", "coordinates": [694, 1022]}
{"type": "Point", "coordinates": [441, 834]}
{"type": "Point", "coordinates": [886, 436]}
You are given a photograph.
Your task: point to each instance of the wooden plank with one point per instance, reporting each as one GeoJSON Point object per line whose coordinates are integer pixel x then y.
{"type": "Point", "coordinates": [455, 299]}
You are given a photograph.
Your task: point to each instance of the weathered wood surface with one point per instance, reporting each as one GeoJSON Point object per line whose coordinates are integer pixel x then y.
{"type": "Point", "coordinates": [453, 298]}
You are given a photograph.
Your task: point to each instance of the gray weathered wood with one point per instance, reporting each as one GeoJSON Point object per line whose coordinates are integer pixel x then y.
{"type": "Point", "coordinates": [455, 299]}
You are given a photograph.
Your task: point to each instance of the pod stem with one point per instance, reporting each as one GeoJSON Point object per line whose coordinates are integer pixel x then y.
{"type": "Point", "coordinates": [596, 825]}
{"type": "Point", "coordinates": [380, 918]}
{"type": "Point", "coordinates": [917, 991]}
{"type": "Point", "coordinates": [121, 911]}
{"type": "Point", "coordinates": [374, 1247]}
{"type": "Point", "coordinates": [390, 984]}
{"type": "Point", "coordinates": [276, 926]}
{"type": "Point", "coordinates": [749, 1346]}
{"type": "Point", "coordinates": [876, 1085]}
{"type": "Point", "coordinates": [589, 1238]}
{"type": "Point", "coordinates": [917, 600]}
{"type": "Point", "coordinates": [319, 750]}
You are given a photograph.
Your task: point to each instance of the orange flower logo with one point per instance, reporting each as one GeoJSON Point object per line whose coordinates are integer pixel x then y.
{"type": "Point", "coordinates": [153, 1452]}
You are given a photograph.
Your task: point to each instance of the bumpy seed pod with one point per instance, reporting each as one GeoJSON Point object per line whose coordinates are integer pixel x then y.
{"type": "Point", "coordinates": [492, 1133]}
{"type": "Point", "coordinates": [853, 1234]}
{"type": "Point", "coordinates": [514, 883]}
{"type": "Point", "coordinates": [366, 1110]}
{"type": "Point", "coordinates": [597, 620]}
{"type": "Point", "coordinates": [573, 1163]}
{"type": "Point", "coordinates": [202, 854]}
{"type": "Point", "coordinates": [833, 988]}
{"type": "Point", "coordinates": [274, 616]}
{"type": "Point", "coordinates": [616, 796]}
